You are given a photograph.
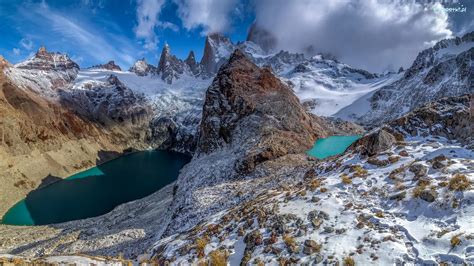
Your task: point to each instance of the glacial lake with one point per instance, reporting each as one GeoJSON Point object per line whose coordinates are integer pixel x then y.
{"type": "Point", "coordinates": [98, 190]}
{"type": "Point", "coordinates": [330, 146]}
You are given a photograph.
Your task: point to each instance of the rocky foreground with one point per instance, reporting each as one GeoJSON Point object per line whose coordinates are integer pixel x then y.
{"type": "Point", "coordinates": [402, 194]}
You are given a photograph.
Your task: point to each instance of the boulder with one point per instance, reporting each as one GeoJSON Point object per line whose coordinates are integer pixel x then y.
{"type": "Point", "coordinates": [374, 143]}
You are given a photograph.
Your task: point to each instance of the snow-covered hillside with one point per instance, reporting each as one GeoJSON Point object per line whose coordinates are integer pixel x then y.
{"type": "Point", "coordinates": [409, 202]}
{"type": "Point", "coordinates": [443, 70]}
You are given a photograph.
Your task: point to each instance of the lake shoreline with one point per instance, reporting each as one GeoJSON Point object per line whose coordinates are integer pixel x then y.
{"type": "Point", "coordinates": [113, 183]}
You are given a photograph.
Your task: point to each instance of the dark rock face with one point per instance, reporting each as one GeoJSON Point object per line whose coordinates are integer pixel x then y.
{"type": "Point", "coordinates": [448, 117]}
{"type": "Point", "coordinates": [374, 143]}
{"type": "Point", "coordinates": [108, 66]}
{"type": "Point", "coordinates": [192, 64]}
{"type": "Point", "coordinates": [262, 37]}
{"type": "Point", "coordinates": [213, 58]}
{"type": "Point", "coordinates": [428, 195]}
{"type": "Point", "coordinates": [109, 105]}
{"type": "Point", "coordinates": [250, 108]}
{"type": "Point", "coordinates": [169, 67]}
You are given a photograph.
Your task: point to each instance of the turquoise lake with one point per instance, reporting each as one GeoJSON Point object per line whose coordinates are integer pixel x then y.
{"type": "Point", "coordinates": [331, 146]}
{"type": "Point", "coordinates": [98, 190]}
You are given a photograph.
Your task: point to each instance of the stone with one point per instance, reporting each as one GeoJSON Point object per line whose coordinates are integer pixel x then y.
{"type": "Point", "coordinates": [374, 143]}
{"type": "Point", "coordinates": [428, 195]}
{"type": "Point", "coordinates": [418, 169]}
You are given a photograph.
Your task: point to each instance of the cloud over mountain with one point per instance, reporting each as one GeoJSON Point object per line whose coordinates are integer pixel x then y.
{"type": "Point", "coordinates": [211, 15]}
{"type": "Point", "coordinates": [366, 34]}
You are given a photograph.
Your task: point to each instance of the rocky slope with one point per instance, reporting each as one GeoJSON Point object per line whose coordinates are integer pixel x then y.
{"type": "Point", "coordinates": [410, 201]}
{"type": "Point", "coordinates": [440, 71]}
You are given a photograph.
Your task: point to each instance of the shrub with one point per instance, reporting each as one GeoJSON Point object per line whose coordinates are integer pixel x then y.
{"type": "Point", "coordinates": [455, 241]}
{"type": "Point", "coordinates": [289, 240]}
{"type": "Point", "coordinates": [459, 182]}
{"type": "Point", "coordinates": [314, 184]}
{"type": "Point", "coordinates": [349, 261]}
{"type": "Point", "coordinates": [201, 244]}
{"type": "Point", "coordinates": [359, 171]}
{"type": "Point", "coordinates": [345, 179]}
{"type": "Point", "coordinates": [218, 258]}
{"type": "Point", "coordinates": [418, 190]}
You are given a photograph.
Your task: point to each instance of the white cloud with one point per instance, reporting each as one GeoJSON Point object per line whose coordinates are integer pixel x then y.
{"type": "Point", "coordinates": [16, 51]}
{"type": "Point", "coordinates": [211, 15]}
{"type": "Point", "coordinates": [79, 35]}
{"type": "Point", "coordinates": [26, 43]}
{"type": "Point", "coordinates": [370, 34]}
{"type": "Point", "coordinates": [148, 12]}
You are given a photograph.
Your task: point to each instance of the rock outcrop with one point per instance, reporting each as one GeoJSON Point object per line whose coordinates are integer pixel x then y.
{"type": "Point", "coordinates": [108, 66]}
{"type": "Point", "coordinates": [246, 102]}
{"type": "Point", "coordinates": [449, 117]}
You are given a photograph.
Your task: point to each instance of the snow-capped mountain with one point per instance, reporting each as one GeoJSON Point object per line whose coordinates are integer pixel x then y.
{"type": "Point", "coordinates": [446, 69]}
{"type": "Point", "coordinates": [142, 68]}
{"type": "Point", "coordinates": [217, 50]}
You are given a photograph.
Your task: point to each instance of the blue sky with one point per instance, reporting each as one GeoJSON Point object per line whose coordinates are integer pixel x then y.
{"type": "Point", "coordinates": [95, 31]}
{"type": "Point", "coordinates": [377, 35]}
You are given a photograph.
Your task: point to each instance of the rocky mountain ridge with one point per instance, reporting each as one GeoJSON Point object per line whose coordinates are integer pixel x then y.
{"type": "Point", "coordinates": [440, 71]}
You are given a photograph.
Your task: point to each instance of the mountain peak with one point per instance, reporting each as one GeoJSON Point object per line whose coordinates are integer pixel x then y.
{"type": "Point", "coordinates": [261, 37]}
{"type": "Point", "coordinates": [108, 66]}
{"type": "Point", "coordinates": [169, 66]}
{"type": "Point", "coordinates": [248, 95]}
{"type": "Point", "coordinates": [216, 50]}
{"type": "Point", "coordinates": [142, 68]}
{"type": "Point", "coordinates": [44, 60]}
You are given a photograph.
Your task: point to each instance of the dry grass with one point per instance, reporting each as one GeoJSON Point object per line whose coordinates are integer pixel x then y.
{"type": "Point", "coordinates": [459, 182]}
{"type": "Point", "coordinates": [289, 240]}
{"type": "Point", "coordinates": [359, 171]}
{"type": "Point", "coordinates": [314, 184]}
{"type": "Point", "coordinates": [349, 261]}
{"type": "Point", "coordinates": [379, 214]}
{"type": "Point", "coordinates": [455, 240]}
{"type": "Point", "coordinates": [345, 179]}
{"type": "Point", "coordinates": [418, 190]}
{"type": "Point", "coordinates": [323, 190]}
{"type": "Point", "coordinates": [218, 258]}
{"type": "Point", "coordinates": [200, 245]}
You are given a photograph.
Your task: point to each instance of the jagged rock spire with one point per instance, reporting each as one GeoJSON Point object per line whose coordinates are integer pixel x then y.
{"type": "Point", "coordinates": [169, 66]}
{"type": "Point", "coordinates": [216, 50]}
{"type": "Point", "coordinates": [191, 62]}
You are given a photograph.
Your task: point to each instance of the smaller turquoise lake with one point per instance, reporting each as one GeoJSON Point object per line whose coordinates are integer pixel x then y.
{"type": "Point", "coordinates": [331, 146]}
{"type": "Point", "coordinates": [98, 190]}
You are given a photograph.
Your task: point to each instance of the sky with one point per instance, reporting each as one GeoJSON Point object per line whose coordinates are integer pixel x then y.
{"type": "Point", "coordinates": [376, 35]}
